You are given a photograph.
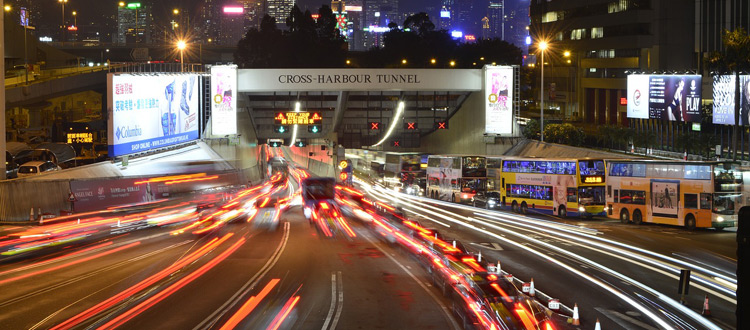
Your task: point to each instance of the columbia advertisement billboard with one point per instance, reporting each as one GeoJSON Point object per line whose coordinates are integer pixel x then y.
{"type": "Point", "coordinates": [498, 98]}
{"type": "Point", "coordinates": [151, 111]}
{"type": "Point", "coordinates": [224, 99]}
{"type": "Point", "coordinates": [724, 87]}
{"type": "Point", "coordinates": [666, 97]}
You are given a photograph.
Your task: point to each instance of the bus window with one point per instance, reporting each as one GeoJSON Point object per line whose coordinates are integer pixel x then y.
{"type": "Point", "coordinates": [724, 203]}
{"type": "Point", "coordinates": [617, 196]}
{"type": "Point", "coordinates": [572, 195]}
{"type": "Point", "coordinates": [705, 201]}
{"type": "Point", "coordinates": [691, 201]}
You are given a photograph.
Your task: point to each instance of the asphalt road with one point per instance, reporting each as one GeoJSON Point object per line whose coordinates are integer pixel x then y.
{"type": "Point", "coordinates": [342, 283]}
{"type": "Point", "coordinates": [576, 261]}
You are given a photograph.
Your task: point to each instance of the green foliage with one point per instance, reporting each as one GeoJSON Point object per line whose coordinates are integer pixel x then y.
{"type": "Point", "coordinates": [613, 137]}
{"type": "Point", "coordinates": [531, 131]}
{"type": "Point", "coordinates": [564, 134]}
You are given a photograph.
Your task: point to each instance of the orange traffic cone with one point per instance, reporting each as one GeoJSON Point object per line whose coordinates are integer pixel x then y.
{"type": "Point", "coordinates": [706, 309]}
{"type": "Point", "coordinates": [597, 326]}
{"type": "Point", "coordinates": [576, 318]}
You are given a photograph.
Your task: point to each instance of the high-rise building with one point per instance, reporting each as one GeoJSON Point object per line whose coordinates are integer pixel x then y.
{"type": "Point", "coordinates": [280, 10]}
{"type": "Point", "coordinates": [378, 14]}
{"type": "Point", "coordinates": [232, 24]}
{"type": "Point", "coordinates": [605, 40]}
{"type": "Point", "coordinates": [713, 18]}
{"type": "Point", "coordinates": [254, 11]}
{"type": "Point", "coordinates": [496, 19]}
{"type": "Point", "coordinates": [134, 23]}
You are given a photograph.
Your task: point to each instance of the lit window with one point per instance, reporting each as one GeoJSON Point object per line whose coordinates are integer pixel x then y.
{"type": "Point", "coordinates": [597, 32]}
{"type": "Point", "coordinates": [549, 17]}
{"type": "Point", "coordinates": [618, 6]}
{"type": "Point", "coordinates": [578, 34]}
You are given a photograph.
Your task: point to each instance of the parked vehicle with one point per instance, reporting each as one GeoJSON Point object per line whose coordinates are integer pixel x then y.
{"type": "Point", "coordinates": [36, 167]}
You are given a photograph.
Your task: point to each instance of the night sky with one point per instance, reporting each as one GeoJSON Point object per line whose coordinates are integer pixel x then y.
{"type": "Point", "coordinates": [97, 10]}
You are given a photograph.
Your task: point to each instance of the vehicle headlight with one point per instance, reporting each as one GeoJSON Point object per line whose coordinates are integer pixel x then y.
{"type": "Point", "coordinates": [720, 219]}
{"type": "Point", "coordinates": [581, 209]}
{"type": "Point", "coordinates": [465, 196]}
{"type": "Point", "coordinates": [491, 202]}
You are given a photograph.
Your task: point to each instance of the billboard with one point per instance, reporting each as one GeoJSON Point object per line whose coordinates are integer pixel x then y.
{"type": "Point", "coordinates": [151, 111]}
{"type": "Point", "coordinates": [724, 88]}
{"type": "Point", "coordinates": [667, 97]}
{"type": "Point", "coordinates": [498, 98]}
{"type": "Point", "coordinates": [224, 99]}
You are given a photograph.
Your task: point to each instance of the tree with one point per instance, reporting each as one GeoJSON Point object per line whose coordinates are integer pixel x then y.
{"type": "Point", "coordinates": [419, 22]}
{"type": "Point", "coordinates": [734, 58]}
{"type": "Point", "coordinates": [531, 131]}
{"type": "Point", "coordinates": [564, 134]}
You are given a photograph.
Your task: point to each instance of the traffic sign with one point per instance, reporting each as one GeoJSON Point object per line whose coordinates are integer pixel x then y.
{"type": "Point", "coordinates": [374, 125]}
{"type": "Point", "coordinates": [441, 125]}
{"type": "Point", "coordinates": [280, 129]}
{"type": "Point", "coordinates": [314, 128]}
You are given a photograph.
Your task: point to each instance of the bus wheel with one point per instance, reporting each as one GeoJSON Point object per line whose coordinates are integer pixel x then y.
{"type": "Point", "coordinates": [624, 216]}
{"type": "Point", "coordinates": [524, 208]}
{"type": "Point", "coordinates": [637, 217]}
{"type": "Point", "coordinates": [690, 222]}
{"type": "Point", "coordinates": [562, 212]}
{"type": "Point", "coordinates": [514, 207]}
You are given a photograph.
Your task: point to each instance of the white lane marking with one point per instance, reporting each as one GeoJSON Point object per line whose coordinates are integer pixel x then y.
{"type": "Point", "coordinates": [249, 285]}
{"type": "Point", "coordinates": [339, 303]}
{"type": "Point", "coordinates": [619, 317]}
{"type": "Point", "coordinates": [333, 302]}
{"type": "Point", "coordinates": [445, 310]}
{"type": "Point", "coordinates": [489, 246]}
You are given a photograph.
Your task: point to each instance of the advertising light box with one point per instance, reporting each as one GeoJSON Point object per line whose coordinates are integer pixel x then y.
{"type": "Point", "coordinates": [498, 98]}
{"type": "Point", "coordinates": [224, 99]}
{"type": "Point", "coordinates": [151, 111]}
{"type": "Point", "coordinates": [666, 97]}
{"type": "Point", "coordinates": [724, 88]}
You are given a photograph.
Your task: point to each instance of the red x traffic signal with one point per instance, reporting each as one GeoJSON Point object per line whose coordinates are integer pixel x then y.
{"type": "Point", "coordinates": [374, 125]}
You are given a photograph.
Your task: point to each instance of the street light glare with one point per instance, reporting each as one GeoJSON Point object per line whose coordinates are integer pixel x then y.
{"type": "Point", "coordinates": [122, 4]}
{"type": "Point", "coordinates": [7, 8]}
{"type": "Point", "coordinates": [176, 11]}
{"type": "Point", "coordinates": [566, 53]}
{"type": "Point", "coordinates": [181, 45]}
{"type": "Point", "coordinates": [543, 45]}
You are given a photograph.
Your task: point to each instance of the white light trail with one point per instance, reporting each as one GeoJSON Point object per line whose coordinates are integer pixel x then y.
{"type": "Point", "coordinates": [297, 105]}
{"type": "Point", "coordinates": [394, 121]}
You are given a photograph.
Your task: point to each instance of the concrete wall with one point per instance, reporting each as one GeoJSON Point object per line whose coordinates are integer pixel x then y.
{"type": "Point", "coordinates": [534, 148]}
{"type": "Point", "coordinates": [465, 133]}
{"type": "Point", "coordinates": [18, 197]}
{"type": "Point", "coordinates": [319, 163]}
{"type": "Point", "coordinates": [242, 153]}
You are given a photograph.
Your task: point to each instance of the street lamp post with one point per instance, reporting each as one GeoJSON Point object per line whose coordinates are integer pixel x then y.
{"type": "Point", "coordinates": [542, 47]}
{"type": "Point", "coordinates": [181, 46]}
{"type": "Point", "coordinates": [63, 2]}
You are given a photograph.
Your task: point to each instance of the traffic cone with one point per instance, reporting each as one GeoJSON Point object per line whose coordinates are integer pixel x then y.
{"type": "Point", "coordinates": [531, 288]}
{"type": "Point", "coordinates": [706, 309]}
{"type": "Point", "coordinates": [479, 257]}
{"type": "Point", "coordinates": [576, 318]}
{"type": "Point", "coordinates": [598, 326]}
{"type": "Point", "coordinates": [31, 214]}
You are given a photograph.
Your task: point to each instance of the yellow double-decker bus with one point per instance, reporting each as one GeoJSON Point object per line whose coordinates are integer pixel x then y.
{"type": "Point", "coordinates": [690, 194]}
{"type": "Point", "coordinates": [563, 187]}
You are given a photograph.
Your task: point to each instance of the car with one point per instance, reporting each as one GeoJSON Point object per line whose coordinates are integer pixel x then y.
{"type": "Point", "coordinates": [36, 167]}
{"type": "Point", "coordinates": [490, 200]}
{"type": "Point", "coordinates": [267, 211]}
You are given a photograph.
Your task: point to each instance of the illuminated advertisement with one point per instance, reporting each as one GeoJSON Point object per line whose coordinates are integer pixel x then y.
{"type": "Point", "coordinates": [224, 99]}
{"type": "Point", "coordinates": [724, 88]}
{"type": "Point", "coordinates": [151, 111]}
{"type": "Point", "coordinates": [498, 98]}
{"type": "Point", "coordinates": [667, 97]}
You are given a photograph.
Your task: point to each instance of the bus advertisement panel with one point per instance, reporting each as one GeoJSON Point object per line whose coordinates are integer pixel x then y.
{"type": "Point", "coordinates": [455, 178]}
{"type": "Point", "coordinates": [565, 187]}
{"type": "Point", "coordinates": [149, 112]}
{"type": "Point", "coordinates": [690, 194]}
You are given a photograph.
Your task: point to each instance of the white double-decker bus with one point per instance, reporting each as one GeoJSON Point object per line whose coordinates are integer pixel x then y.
{"type": "Point", "coordinates": [455, 178]}
{"type": "Point", "coordinates": [690, 194]}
